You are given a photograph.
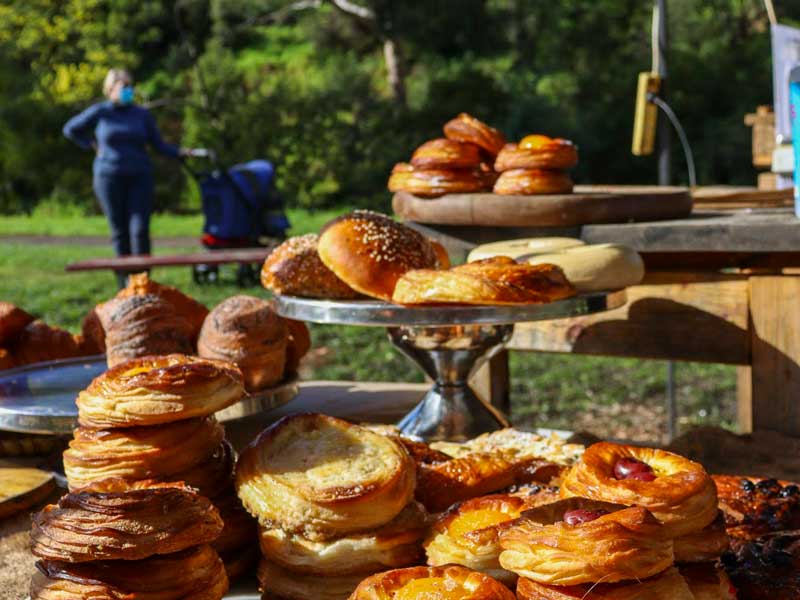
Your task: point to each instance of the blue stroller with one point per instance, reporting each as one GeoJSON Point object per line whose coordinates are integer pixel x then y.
{"type": "Point", "coordinates": [242, 209]}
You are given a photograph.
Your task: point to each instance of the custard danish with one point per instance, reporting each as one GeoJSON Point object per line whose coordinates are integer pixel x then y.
{"type": "Point", "coordinates": [449, 582]}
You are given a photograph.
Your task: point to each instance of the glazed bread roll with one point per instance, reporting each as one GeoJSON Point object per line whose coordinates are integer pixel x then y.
{"type": "Point", "coordinates": [159, 389]}
{"type": "Point", "coordinates": [578, 541]}
{"type": "Point", "coordinates": [196, 573]}
{"type": "Point", "coordinates": [450, 582]}
{"type": "Point", "coordinates": [675, 489]}
{"type": "Point", "coordinates": [537, 152]}
{"type": "Point", "coordinates": [323, 477]}
{"type": "Point", "coordinates": [39, 342]}
{"type": "Point", "coordinates": [497, 280]}
{"type": "Point", "coordinates": [523, 247]}
{"type": "Point", "coordinates": [116, 519]}
{"type": "Point", "coordinates": [430, 182]}
{"type": "Point", "coordinates": [445, 153]}
{"type": "Point", "coordinates": [466, 128]}
{"type": "Point", "coordinates": [468, 534]}
{"type": "Point", "coordinates": [135, 453]}
{"type": "Point", "coordinates": [530, 182]}
{"type": "Point", "coordinates": [595, 267]}
{"type": "Point", "coordinates": [139, 326]}
{"type": "Point", "coordinates": [396, 544]}
{"type": "Point", "coordinates": [246, 331]}
{"type": "Point", "coordinates": [277, 582]}
{"type": "Point", "coordinates": [295, 269]}
{"type": "Point", "coordinates": [370, 252]}
{"type": "Point", "coordinates": [706, 545]}
{"type": "Point", "coordinates": [298, 345]}
{"type": "Point", "coordinates": [12, 321]}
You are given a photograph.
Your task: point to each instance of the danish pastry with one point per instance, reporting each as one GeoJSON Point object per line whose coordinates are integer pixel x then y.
{"type": "Point", "coordinates": [707, 582]}
{"type": "Point", "coordinates": [704, 545]}
{"type": "Point", "coordinates": [295, 269]}
{"type": "Point", "coordinates": [450, 582]}
{"type": "Point", "coordinates": [537, 152]}
{"type": "Point", "coordinates": [431, 182]}
{"type": "Point", "coordinates": [135, 453]}
{"type": "Point", "coordinates": [196, 573]}
{"type": "Point", "coordinates": [577, 541]}
{"type": "Point", "coordinates": [298, 345]}
{"type": "Point", "coordinates": [522, 444]}
{"type": "Point", "coordinates": [754, 507]}
{"type": "Point", "coordinates": [370, 252]}
{"type": "Point", "coordinates": [497, 280]}
{"type": "Point", "coordinates": [396, 544]}
{"type": "Point", "coordinates": [279, 583]}
{"type": "Point", "coordinates": [323, 477]}
{"type": "Point", "coordinates": [447, 154]}
{"type": "Point", "coordinates": [669, 585]}
{"type": "Point", "coordinates": [468, 533]}
{"type": "Point", "coordinates": [159, 389]}
{"type": "Point", "coordinates": [212, 477]}
{"type": "Point", "coordinates": [530, 182]}
{"type": "Point", "coordinates": [39, 342]}
{"type": "Point", "coordinates": [466, 128]}
{"type": "Point", "coordinates": [675, 489]}
{"type": "Point", "coordinates": [245, 331]}
{"type": "Point", "coordinates": [12, 321]}
{"type": "Point", "coordinates": [120, 520]}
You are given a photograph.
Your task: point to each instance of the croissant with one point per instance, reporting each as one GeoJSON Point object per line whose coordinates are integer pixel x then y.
{"type": "Point", "coordinates": [430, 182]}
{"type": "Point", "coordinates": [537, 152]}
{"type": "Point", "coordinates": [12, 321]}
{"type": "Point", "coordinates": [159, 389]}
{"type": "Point", "coordinates": [529, 182]}
{"type": "Point", "coordinates": [579, 541]}
{"type": "Point", "coordinates": [120, 520]}
{"type": "Point", "coordinates": [39, 342]}
{"type": "Point", "coordinates": [196, 573]}
{"type": "Point", "coordinates": [447, 154]}
{"type": "Point", "coordinates": [675, 489]}
{"type": "Point", "coordinates": [277, 582]}
{"type": "Point", "coordinates": [466, 128]}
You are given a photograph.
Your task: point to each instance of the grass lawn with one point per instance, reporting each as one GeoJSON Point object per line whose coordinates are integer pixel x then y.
{"type": "Point", "coordinates": [609, 397]}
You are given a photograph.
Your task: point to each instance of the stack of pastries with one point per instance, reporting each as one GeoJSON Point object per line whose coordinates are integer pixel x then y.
{"type": "Point", "coordinates": [152, 418]}
{"type": "Point", "coordinates": [536, 165]}
{"type": "Point", "coordinates": [116, 539]}
{"type": "Point", "coordinates": [335, 503]}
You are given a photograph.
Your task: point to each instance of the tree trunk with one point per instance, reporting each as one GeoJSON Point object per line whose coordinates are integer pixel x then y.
{"type": "Point", "coordinates": [394, 71]}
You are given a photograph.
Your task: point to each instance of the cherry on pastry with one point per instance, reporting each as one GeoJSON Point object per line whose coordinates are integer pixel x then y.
{"type": "Point", "coordinates": [631, 468]}
{"type": "Point", "coordinates": [582, 515]}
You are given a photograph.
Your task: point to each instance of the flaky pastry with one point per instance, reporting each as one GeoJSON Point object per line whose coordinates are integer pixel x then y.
{"type": "Point", "coordinates": [450, 582]}
{"type": "Point", "coordinates": [675, 489]}
{"type": "Point", "coordinates": [705, 545]}
{"type": "Point", "coordinates": [522, 444]}
{"type": "Point", "coordinates": [278, 583]}
{"type": "Point", "coordinates": [39, 342]}
{"type": "Point", "coordinates": [537, 152]}
{"type": "Point", "coordinates": [240, 529]}
{"type": "Point", "coordinates": [212, 477]}
{"type": "Point", "coordinates": [577, 541]}
{"type": "Point", "coordinates": [431, 182]}
{"type": "Point", "coordinates": [531, 182]}
{"type": "Point", "coordinates": [159, 389]}
{"type": "Point", "coordinates": [708, 582]}
{"type": "Point", "coordinates": [468, 129]}
{"type": "Point", "coordinates": [12, 321]}
{"type": "Point", "coordinates": [447, 154]}
{"type": "Point", "coordinates": [322, 476]}
{"type": "Point", "coordinates": [120, 520]}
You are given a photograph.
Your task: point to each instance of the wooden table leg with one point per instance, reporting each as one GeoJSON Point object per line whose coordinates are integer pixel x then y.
{"type": "Point", "coordinates": [493, 384]}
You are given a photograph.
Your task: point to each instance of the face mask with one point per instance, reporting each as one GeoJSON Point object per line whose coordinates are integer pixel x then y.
{"type": "Point", "coordinates": [126, 95]}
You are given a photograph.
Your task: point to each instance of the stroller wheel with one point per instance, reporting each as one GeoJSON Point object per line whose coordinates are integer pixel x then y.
{"type": "Point", "coordinates": [203, 274]}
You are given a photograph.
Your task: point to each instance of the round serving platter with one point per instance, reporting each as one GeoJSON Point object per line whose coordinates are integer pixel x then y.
{"type": "Point", "coordinates": [40, 398]}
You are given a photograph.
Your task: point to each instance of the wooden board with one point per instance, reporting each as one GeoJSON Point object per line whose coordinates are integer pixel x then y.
{"type": "Point", "coordinates": [588, 204]}
{"type": "Point", "coordinates": [22, 488]}
{"type": "Point", "coordinates": [726, 197]}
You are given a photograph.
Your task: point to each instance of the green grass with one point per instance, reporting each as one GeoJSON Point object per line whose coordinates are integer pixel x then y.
{"type": "Point", "coordinates": [609, 397]}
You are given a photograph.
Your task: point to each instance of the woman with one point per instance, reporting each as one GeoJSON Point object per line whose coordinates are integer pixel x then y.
{"type": "Point", "coordinates": [119, 131]}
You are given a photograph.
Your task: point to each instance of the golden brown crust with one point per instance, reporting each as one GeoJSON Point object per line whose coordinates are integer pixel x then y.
{"type": "Point", "coordinates": [135, 453]}
{"type": "Point", "coordinates": [531, 182]}
{"type": "Point", "coordinates": [278, 583]}
{"type": "Point", "coordinates": [548, 153]}
{"type": "Point", "coordinates": [468, 129]}
{"type": "Point", "coordinates": [120, 520]}
{"type": "Point", "coordinates": [442, 257]}
{"type": "Point", "coordinates": [625, 543]}
{"type": "Point", "coordinates": [246, 331]}
{"type": "Point", "coordinates": [212, 477]}
{"type": "Point", "coordinates": [295, 269]}
{"type": "Point", "coordinates": [93, 332]}
{"type": "Point", "coordinates": [298, 346]}
{"type": "Point", "coordinates": [497, 280]}
{"type": "Point", "coordinates": [39, 342]}
{"type": "Point", "coordinates": [706, 545]}
{"type": "Point", "coordinates": [448, 582]}
{"type": "Point", "coordinates": [447, 154]}
{"type": "Point", "coordinates": [193, 574]}
{"type": "Point", "coordinates": [159, 389]}
{"type": "Point", "coordinates": [370, 252]}
{"type": "Point", "coordinates": [12, 321]}
{"type": "Point", "coordinates": [323, 477]}
{"type": "Point", "coordinates": [683, 496]}
{"type": "Point", "coordinates": [755, 506]}
{"type": "Point", "coordinates": [431, 182]}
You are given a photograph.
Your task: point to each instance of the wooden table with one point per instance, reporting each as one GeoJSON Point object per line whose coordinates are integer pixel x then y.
{"type": "Point", "coordinates": [721, 287]}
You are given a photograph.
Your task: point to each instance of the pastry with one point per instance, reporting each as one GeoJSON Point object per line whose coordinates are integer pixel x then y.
{"type": "Point", "coordinates": [537, 152]}
{"type": "Point", "coordinates": [135, 453]}
{"type": "Point", "coordinates": [139, 326]}
{"type": "Point", "coordinates": [444, 153]}
{"type": "Point", "coordinates": [431, 182]}
{"type": "Point", "coordinates": [442, 257]}
{"type": "Point", "coordinates": [596, 267]}
{"type": "Point", "coordinates": [529, 182]}
{"type": "Point", "coordinates": [755, 507]}
{"type": "Point", "coordinates": [522, 247]}
{"type": "Point", "coordinates": [370, 252]}
{"type": "Point", "coordinates": [708, 582]}
{"type": "Point", "coordinates": [669, 585]}
{"type": "Point", "coordinates": [704, 545]}
{"type": "Point", "coordinates": [212, 477]}
{"type": "Point", "coordinates": [12, 321]}
{"type": "Point", "coordinates": [396, 544]}
{"type": "Point", "coordinates": [578, 541]}
{"type": "Point", "coordinates": [246, 331]}
{"type": "Point", "coordinates": [496, 280]}
{"type": "Point", "coordinates": [675, 489]}
{"type": "Point", "coordinates": [196, 573]}
{"type": "Point", "coordinates": [522, 444]}
{"type": "Point", "coordinates": [765, 569]}
{"type": "Point", "coordinates": [240, 529]}
{"type": "Point", "coordinates": [93, 332]}
{"type": "Point", "coordinates": [240, 562]}
{"type": "Point", "coordinates": [278, 583]}
{"type": "Point", "coordinates": [324, 477]}
{"type": "Point", "coordinates": [295, 269]}
{"type": "Point", "coordinates": [298, 345]}
{"type": "Point", "coordinates": [468, 534]}
{"type": "Point", "coordinates": [6, 360]}
{"type": "Point", "coordinates": [466, 128]}
{"type": "Point", "coordinates": [159, 389]}
{"type": "Point", "coordinates": [39, 342]}
{"type": "Point", "coordinates": [450, 582]}
{"type": "Point", "coordinates": [119, 520]}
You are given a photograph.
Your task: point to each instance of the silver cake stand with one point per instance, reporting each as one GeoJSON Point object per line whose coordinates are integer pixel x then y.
{"type": "Point", "coordinates": [449, 343]}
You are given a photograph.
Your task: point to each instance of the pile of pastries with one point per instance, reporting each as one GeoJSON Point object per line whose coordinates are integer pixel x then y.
{"type": "Point", "coordinates": [474, 157]}
{"type": "Point", "coordinates": [369, 254]}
